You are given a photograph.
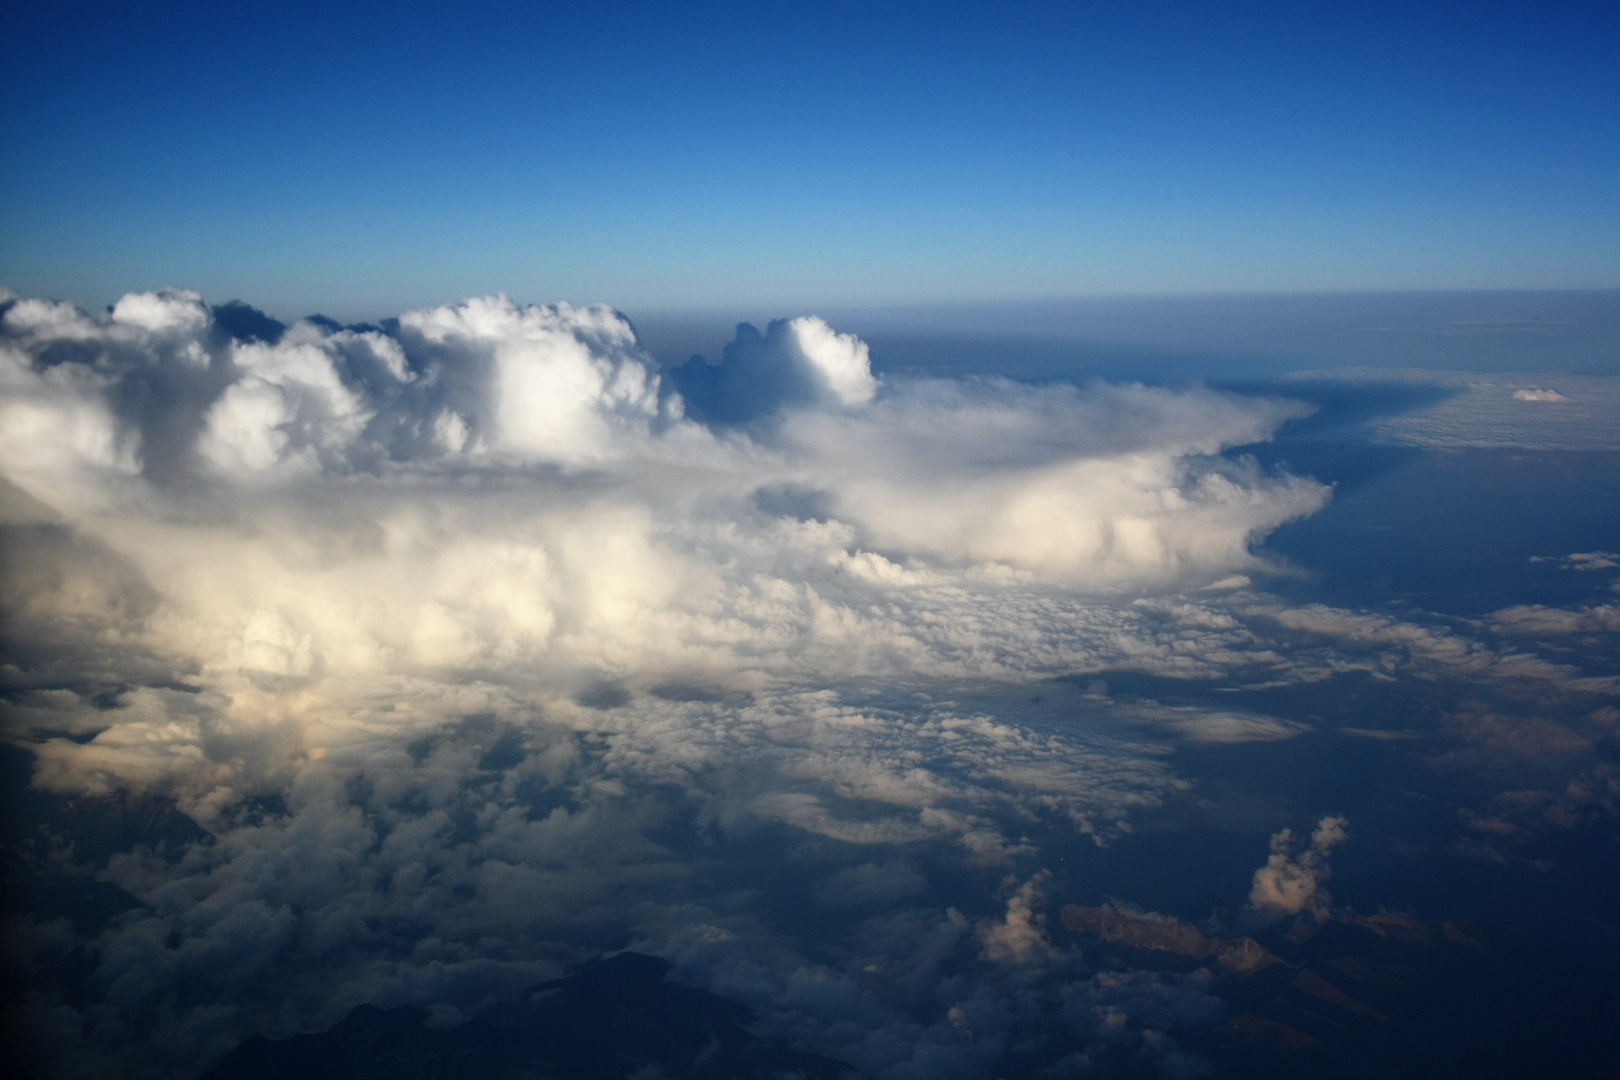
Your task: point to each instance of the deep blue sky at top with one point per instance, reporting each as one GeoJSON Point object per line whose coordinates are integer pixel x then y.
{"type": "Point", "coordinates": [363, 158]}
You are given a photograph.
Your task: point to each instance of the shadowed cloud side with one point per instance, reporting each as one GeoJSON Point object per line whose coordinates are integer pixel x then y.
{"type": "Point", "coordinates": [469, 649]}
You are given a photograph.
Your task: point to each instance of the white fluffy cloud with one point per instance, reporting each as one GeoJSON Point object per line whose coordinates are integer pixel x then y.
{"type": "Point", "coordinates": [490, 485]}
{"type": "Point", "coordinates": [841, 361]}
{"type": "Point", "coordinates": [559, 383]}
{"type": "Point", "coordinates": [513, 498]}
{"type": "Point", "coordinates": [1291, 881]}
{"type": "Point", "coordinates": [795, 363]}
{"type": "Point", "coordinates": [58, 434]}
{"type": "Point", "coordinates": [1092, 487]}
{"type": "Point", "coordinates": [478, 643]}
{"type": "Point", "coordinates": [465, 637]}
{"type": "Point", "coordinates": [1019, 937]}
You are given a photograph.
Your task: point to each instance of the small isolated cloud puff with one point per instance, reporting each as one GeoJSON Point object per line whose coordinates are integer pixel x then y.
{"type": "Point", "coordinates": [1291, 880]}
{"type": "Point", "coordinates": [1019, 937]}
{"type": "Point", "coordinates": [1538, 394]}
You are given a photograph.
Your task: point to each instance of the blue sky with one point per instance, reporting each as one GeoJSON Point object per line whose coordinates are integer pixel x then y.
{"type": "Point", "coordinates": [363, 159]}
{"type": "Point", "coordinates": [1177, 470]}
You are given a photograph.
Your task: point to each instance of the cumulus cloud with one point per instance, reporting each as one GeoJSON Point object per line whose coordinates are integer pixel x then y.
{"type": "Point", "coordinates": [478, 645]}
{"type": "Point", "coordinates": [1019, 936]}
{"type": "Point", "coordinates": [171, 311]}
{"type": "Point", "coordinates": [1291, 880]}
{"type": "Point", "coordinates": [464, 636]}
{"type": "Point", "coordinates": [58, 433]}
{"type": "Point", "coordinates": [487, 483]}
{"type": "Point", "coordinates": [558, 383]}
{"type": "Point", "coordinates": [795, 362]}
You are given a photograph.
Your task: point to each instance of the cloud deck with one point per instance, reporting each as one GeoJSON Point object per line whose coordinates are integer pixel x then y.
{"type": "Point", "coordinates": [478, 644]}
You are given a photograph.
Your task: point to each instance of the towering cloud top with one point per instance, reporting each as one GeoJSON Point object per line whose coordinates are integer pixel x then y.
{"type": "Point", "coordinates": [471, 640]}
{"type": "Point", "coordinates": [1090, 487]}
{"type": "Point", "coordinates": [507, 493]}
{"type": "Point", "coordinates": [797, 362]}
{"type": "Point", "coordinates": [559, 384]}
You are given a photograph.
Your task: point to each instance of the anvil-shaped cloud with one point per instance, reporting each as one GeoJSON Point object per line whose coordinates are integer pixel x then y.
{"type": "Point", "coordinates": [488, 485]}
{"type": "Point", "coordinates": [460, 632]}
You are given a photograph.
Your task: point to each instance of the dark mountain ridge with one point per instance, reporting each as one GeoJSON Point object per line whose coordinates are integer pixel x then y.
{"type": "Point", "coordinates": [609, 1018]}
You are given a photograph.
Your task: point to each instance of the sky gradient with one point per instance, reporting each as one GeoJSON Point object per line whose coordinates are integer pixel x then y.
{"type": "Point", "coordinates": [319, 157]}
{"type": "Point", "coordinates": [357, 682]}
{"type": "Point", "coordinates": [932, 542]}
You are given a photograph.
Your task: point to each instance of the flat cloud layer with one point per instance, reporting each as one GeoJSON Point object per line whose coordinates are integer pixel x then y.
{"type": "Point", "coordinates": [1504, 410]}
{"type": "Point", "coordinates": [478, 645]}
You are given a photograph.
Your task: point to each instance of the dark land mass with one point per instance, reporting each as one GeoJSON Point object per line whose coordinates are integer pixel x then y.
{"type": "Point", "coordinates": [616, 1017]}
{"type": "Point", "coordinates": [1381, 995]}
{"type": "Point", "coordinates": [1324, 997]}
{"type": "Point", "coordinates": [52, 846]}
